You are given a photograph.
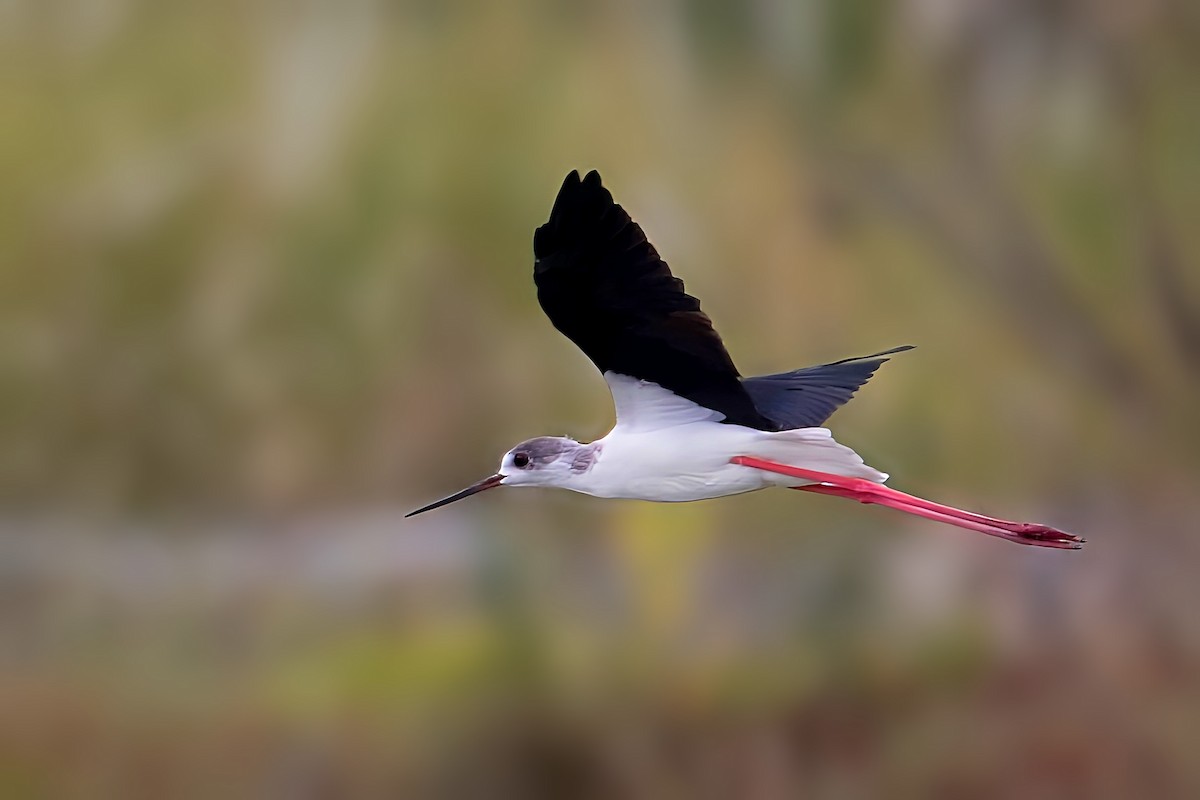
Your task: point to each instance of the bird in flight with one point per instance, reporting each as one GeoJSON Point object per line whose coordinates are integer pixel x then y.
{"type": "Point", "coordinates": [688, 426]}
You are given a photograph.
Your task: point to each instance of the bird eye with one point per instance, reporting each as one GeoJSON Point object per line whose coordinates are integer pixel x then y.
{"type": "Point", "coordinates": [520, 460]}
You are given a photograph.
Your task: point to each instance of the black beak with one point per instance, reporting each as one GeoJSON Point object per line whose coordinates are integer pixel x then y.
{"type": "Point", "coordinates": [475, 488]}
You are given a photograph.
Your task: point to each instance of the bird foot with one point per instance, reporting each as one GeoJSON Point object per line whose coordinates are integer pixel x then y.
{"type": "Point", "coordinates": [1035, 533]}
{"type": "Point", "coordinates": [864, 491]}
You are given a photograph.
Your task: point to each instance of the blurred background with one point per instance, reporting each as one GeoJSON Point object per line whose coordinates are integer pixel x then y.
{"type": "Point", "coordinates": [265, 286]}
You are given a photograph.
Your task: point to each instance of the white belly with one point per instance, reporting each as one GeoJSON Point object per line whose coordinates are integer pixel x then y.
{"type": "Point", "coordinates": [692, 461]}
{"type": "Point", "coordinates": [667, 448]}
{"type": "Point", "coordinates": [688, 462]}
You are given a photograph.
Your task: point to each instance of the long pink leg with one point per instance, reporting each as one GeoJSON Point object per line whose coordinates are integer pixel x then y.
{"type": "Point", "coordinates": [865, 491]}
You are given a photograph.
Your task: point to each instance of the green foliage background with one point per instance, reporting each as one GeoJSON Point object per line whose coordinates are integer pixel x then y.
{"type": "Point", "coordinates": [265, 284]}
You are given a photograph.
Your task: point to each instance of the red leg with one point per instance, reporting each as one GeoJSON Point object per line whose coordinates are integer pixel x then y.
{"type": "Point", "coordinates": [866, 491]}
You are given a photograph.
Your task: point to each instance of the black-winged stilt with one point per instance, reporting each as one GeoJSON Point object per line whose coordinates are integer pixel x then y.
{"type": "Point", "coordinates": [689, 427]}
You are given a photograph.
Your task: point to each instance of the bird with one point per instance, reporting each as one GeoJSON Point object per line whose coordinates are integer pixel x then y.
{"type": "Point", "coordinates": [688, 425]}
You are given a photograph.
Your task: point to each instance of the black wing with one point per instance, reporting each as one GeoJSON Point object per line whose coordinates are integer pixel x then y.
{"type": "Point", "coordinates": [804, 398]}
{"type": "Point", "coordinates": [607, 290]}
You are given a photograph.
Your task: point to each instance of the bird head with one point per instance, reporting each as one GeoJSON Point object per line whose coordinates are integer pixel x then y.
{"type": "Point", "coordinates": [544, 461]}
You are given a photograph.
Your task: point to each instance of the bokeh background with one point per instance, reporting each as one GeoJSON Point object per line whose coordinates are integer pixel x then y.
{"type": "Point", "coordinates": [266, 286]}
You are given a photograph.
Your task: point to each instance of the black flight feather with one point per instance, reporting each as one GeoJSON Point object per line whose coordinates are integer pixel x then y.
{"type": "Point", "coordinates": [604, 286]}
{"type": "Point", "coordinates": [804, 398]}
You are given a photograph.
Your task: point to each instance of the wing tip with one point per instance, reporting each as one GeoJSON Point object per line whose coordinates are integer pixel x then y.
{"type": "Point", "coordinates": [580, 201]}
{"type": "Point", "coordinates": [592, 178]}
{"type": "Point", "coordinates": [882, 355]}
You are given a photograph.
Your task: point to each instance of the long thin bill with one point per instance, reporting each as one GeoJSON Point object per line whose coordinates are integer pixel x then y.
{"type": "Point", "coordinates": [475, 488]}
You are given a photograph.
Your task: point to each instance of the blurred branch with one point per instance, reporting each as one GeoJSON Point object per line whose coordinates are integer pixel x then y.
{"type": "Point", "coordinates": [1182, 318]}
{"type": "Point", "coordinates": [1008, 259]}
{"type": "Point", "coordinates": [1159, 249]}
{"type": "Point", "coordinates": [973, 212]}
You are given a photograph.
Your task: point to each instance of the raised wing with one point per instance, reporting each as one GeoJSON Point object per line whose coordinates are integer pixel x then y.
{"type": "Point", "coordinates": [603, 285]}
